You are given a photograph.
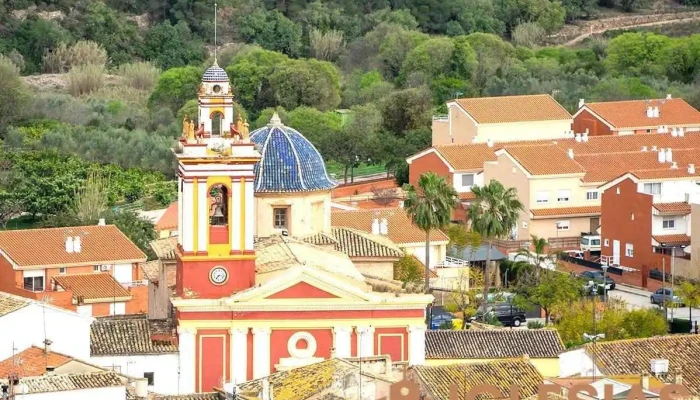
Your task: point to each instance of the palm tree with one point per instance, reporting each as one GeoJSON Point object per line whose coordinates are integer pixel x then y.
{"type": "Point", "coordinates": [430, 207]}
{"type": "Point", "coordinates": [493, 214]}
{"type": "Point", "coordinates": [537, 256]}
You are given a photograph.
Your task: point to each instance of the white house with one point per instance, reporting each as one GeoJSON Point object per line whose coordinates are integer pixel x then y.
{"type": "Point", "coordinates": [26, 323]}
{"type": "Point", "coordinates": [137, 347]}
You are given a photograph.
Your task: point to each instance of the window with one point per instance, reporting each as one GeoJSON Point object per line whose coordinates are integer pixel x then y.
{"type": "Point", "coordinates": [149, 376]}
{"type": "Point", "coordinates": [563, 196]}
{"type": "Point", "coordinates": [280, 218]}
{"type": "Point", "coordinates": [467, 180]}
{"type": "Point", "coordinates": [607, 242]}
{"type": "Point", "coordinates": [96, 268]}
{"type": "Point", "coordinates": [669, 223]}
{"type": "Point", "coordinates": [34, 283]}
{"type": "Point", "coordinates": [525, 224]}
{"type": "Point", "coordinates": [629, 250]}
{"type": "Point", "coordinates": [62, 271]}
{"type": "Point", "coordinates": [542, 197]}
{"type": "Point", "coordinates": [652, 188]}
{"type": "Point", "coordinates": [562, 225]}
{"type": "Point", "coordinates": [217, 124]}
{"type": "Point", "coordinates": [592, 195]}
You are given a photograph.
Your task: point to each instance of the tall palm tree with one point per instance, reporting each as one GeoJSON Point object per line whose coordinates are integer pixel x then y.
{"type": "Point", "coordinates": [537, 256]}
{"type": "Point", "coordinates": [430, 207]}
{"type": "Point", "coordinates": [493, 214]}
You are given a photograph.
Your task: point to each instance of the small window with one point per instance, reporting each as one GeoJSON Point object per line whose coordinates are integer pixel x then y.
{"type": "Point", "coordinates": [607, 242]}
{"type": "Point", "coordinates": [669, 223]}
{"type": "Point", "coordinates": [96, 268]}
{"type": "Point", "coordinates": [629, 250]}
{"type": "Point", "coordinates": [652, 188]}
{"type": "Point", "coordinates": [542, 197]}
{"type": "Point", "coordinates": [62, 271]}
{"type": "Point", "coordinates": [34, 284]}
{"type": "Point", "coordinates": [525, 224]}
{"type": "Point", "coordinates": [150, 377]}
{"type": "Point", "coordinates": [467, 180]}
{"type": "Point", "coordinates": [563, 196]}
{"type": "Point", "coordinates": [648, 130]}
{"type": "Point", "coordinates": [595, 242]}
{"type": "Point", "coordinates": [563, 225]}
{"type": "Point", "coordinates": [280, 218]}
{"type": "Point", "coordinates": [592, 195]}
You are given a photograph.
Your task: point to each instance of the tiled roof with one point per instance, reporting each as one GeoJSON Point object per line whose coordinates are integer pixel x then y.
{"type": "Point", "coordinates": [289, 163]}
{"type": "Point", "coordinates": [671, 240]}
{"type": "Point", "coordinates": [633, 113]}
{"type": "Point", "coordinates": [501, 343]}
{"type": "Point", "coordinates": [630, 357]}
{"type": "Point", "coordinates": [165, 248]}
{"type": "Point", "coordinates": [215, 74]}
{"type": "Point", "coordinates": [193, 396]}
{"type": "Point", "coordinates": [10, 303]}
{"type": "Point", "coordinates": [169, 219]}
{"type": "Point", "coordinates": [93, 286]}
{"type": "Point", "coordinates": [544, 160]}
{"type": "Point", "coordinates": [401, 229]}
{"type": "Point", "coordinates": [465, 157]}
{"type": "Point", "coordinates": [467, 196]}
{"type": "Point", "coordinates": [437, 380]}
{"type": "Point", "coordinates": [131, 335]}
{"type": "Point", "coordinates": [562, 211]}
{"type": "Point", "coordinates": [151, 270]}
{"type": "Point", "coordinates": [356, 243]}
{"type": "Point", "coordinates": [492, 110]}
{"type": "Point", "coordinates": [31, 362]}
{"type": "Point", "coordinates": [99, 245]}
{"type": "Point", "coordinates": [66, 382]}
{"type": "Point", "coordinates": [677, 208]}
{"type": "Point", "coordinates": [320, 239]}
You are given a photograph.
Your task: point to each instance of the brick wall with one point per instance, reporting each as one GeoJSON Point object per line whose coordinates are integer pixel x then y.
{"type": "Point", "coordinates": [595, 127]}
{"type": "Point", "coordinates": [428, 163]}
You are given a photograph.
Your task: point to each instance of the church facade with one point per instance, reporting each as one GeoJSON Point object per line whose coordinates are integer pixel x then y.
{"type": "Point", "coordinates": [252, 299]}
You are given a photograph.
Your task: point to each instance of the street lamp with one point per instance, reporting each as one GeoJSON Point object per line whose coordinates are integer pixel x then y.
{"type": "Point", "coordinates": [593, 338]}
{"type": "Point", "coordinates": [605, 292]}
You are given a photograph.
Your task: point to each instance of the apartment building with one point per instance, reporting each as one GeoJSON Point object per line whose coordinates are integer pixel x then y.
{"type": "Point", "coordinates": [501, 119]}
{"type": "Point", "coordinates": [635, 117]}
{"type": "Point", "coordinates": [93, 270]}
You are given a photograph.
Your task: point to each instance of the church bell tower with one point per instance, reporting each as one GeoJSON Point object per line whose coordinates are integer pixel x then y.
{"type": "Point", "coordinates": [216, 161]}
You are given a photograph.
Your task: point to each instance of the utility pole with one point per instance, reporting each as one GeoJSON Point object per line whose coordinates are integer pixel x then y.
{"type": "Point", "coordinates": [673, 272]}
{"type": "Point", "coordinates": [663, 286]}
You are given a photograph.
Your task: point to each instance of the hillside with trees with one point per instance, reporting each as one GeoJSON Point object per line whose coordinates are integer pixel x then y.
{"type": "Point", "coordinates": [91, 85]}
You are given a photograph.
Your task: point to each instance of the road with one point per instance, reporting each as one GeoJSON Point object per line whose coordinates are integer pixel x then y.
{"type": "Point", "coordinates": [636, 298]}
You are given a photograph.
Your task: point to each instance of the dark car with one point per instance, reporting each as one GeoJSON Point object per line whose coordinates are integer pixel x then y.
{"type": "Point", "coordinates": [439, 316]}
{"type": "Point", "coordinates": [506, 313]}
{"type": "Point", "coordinates": [597, 277]}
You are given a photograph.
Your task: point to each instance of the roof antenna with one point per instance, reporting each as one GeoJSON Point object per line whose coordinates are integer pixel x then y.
{"type": "Point", "coordinates": [215, 43]}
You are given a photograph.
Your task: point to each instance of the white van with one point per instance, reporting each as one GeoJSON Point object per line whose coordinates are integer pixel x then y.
{"type": "Point", "coordinates": [590, 243]}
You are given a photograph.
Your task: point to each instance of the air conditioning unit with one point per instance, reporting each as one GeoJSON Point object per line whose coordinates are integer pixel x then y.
{"type": "Point", "coordinates": [105, 267]}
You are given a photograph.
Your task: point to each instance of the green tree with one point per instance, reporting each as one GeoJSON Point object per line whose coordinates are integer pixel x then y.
{"type": "Point", "coordinates": [493, 214]}
{"type": "Point", "coordinates": [430, 207]}
{"type": "Point", "coordinates": [175, 86]}
{"type": "Point", "coordinates": [578, 9]}
{"type": "Point", "coordinates": [537, 254]}
{"type": "Point", "coordinates": [139, 230]}
{"type": "Point", "coordinates": [271, 30]}
{"type": "Point", "coordinates": [34, 37]}
{"type": "Point", "coordinates": [555, 290]}
{"type": "Point", "coordinates": [13, 95]}
{"type": "Point", "coordinates": [408, 270]}
{"type": "Point", "coordinates": [690, 294]}
{"type": "Point", "coordinates": [646, 322]}
{"type": "Point", "coordinates": [171, 46]}
{"type": "Point", "coordinates": [249, 72]}
{"type": "Point", "coordinates": [306, 83]}
{"type": "Point", "coordinates": [407, 109]}
{"type": "Point", "coordinates": [315, 125]}
{"type": "Point", "coordinates": [637, 54]}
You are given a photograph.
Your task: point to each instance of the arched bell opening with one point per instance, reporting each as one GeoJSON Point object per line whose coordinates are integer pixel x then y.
{"type": "Point", "coordinates": [219, 203]}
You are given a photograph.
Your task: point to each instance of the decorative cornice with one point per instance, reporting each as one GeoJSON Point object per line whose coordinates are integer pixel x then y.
{"type": "Point", "coordinates": [262, 331]}
{"type": "Point", "coordinates": [342, 329]}
{"type": "Point", "coordinates": [182, 306]}
{"type": "Point", "coordinates": [186, 331]}
{"type": "Point", "coordinates": [238, 331]}
{"type": "Point", "coordinates": [364, 330]}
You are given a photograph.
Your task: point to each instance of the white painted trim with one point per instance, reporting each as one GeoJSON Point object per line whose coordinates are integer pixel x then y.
{"type": "Point", "coordinates": [239, 355]}
{"type": "Point", "coordinates": [261, 352]}
{"type": "Point", "coordinates": [453, 103]}
{"type": "Point", "coordinates": [186, 345]}
{"type": "Point", "coordinates": [342, 341]}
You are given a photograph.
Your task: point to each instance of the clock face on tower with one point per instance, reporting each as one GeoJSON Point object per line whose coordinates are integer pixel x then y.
{"type": "Point", "coordinates": [218, 275]}
{"type": "Point", "coordinates": [217, 88]}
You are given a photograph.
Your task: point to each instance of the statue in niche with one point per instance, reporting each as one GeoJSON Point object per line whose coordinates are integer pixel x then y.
{"type": "Point", "coordinates": [218, 213]}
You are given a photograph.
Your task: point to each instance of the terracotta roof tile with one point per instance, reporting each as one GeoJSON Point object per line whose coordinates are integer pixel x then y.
{"type": "Point", "coordinates": [467, 196]}
{"type": "Point", "coordinates": [151, 270]}
{"type": "Point", "coordinates": [633, 113]}
{"type": "Point", "coordinates": [500, 343]}
{"type": "Point", "coordinates": [545, 160]}
{"type": "Point", "coordinates": [678, 208]}
{"type": "Point", "coordinates": [630, 357]}
{"type": "Point", "coordinates": [10, 303]}
{"type": "Point", "coordinates": [356, 243]}
{"type": "Point", "coordinates": [320, 239]}
{"type": "Point", "coordinates": [130, 335]}
{"type": "Point", "coordinates": [193, 396]}
{"type": "Point", "coordinates": [95, 286]}
{"type": "Point", "coordinates": [100, 245]}
{"type": "Point", "coordinates": [66, 382]}
{"type": "Point", "coordinates": [564, 211]}
{"type": "Point", "coordinates": [671, 240]}
{"type": "Point", "coordinates": [31, 362]}
{"type": "Point", "coordinates": [491, 110]}
{"type": "Point", "coordinates": [436, 380]}
{"type": "Point", "coordinates": [165, 248]}
{"type": "Point", "coordinates": [467, 156]}
{"type": "Point", "coordinates": [401, 229]}
{"type": "Point", "coordinates": [169, 220]}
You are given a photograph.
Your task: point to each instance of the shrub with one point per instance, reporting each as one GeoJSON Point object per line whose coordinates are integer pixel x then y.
{"type": "Point", "coordinates": [85, 79]}
{"type": "Point", "coordinates": [140, 75]}
{"type": "Point", "coordinates": [535, 325]}
{"type": "Point", "coordinates": [528, 34]}
{"type": "Point", "coordinates": [326, 46]}
{"type": "Point", "coordinates": [64, 58]}
{"type": "Point", "coordinates": [13, 94]}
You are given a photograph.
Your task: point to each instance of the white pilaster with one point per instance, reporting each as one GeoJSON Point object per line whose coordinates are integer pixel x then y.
{"type": "Point", "coordinates": [235, 232]}
{"type": "Point", "coordinates": [365, 341]}
{"type": "Point", "coordinates": [261, 352]}
{"type": "Point", "coordinates": [187, 228]}
{"type": "Point", "coordinates": [249, 213]}
{"type": "Point", "coordinates": [342, 341]}
{"type": "Point", "coordinates": [179, 208]}
{"type": "Point", "coordinates": [239, 355]}
{"type": "Point", "coordinates": [416, 344]}
{"type": "Point", "coordinates": [203, 218]}
{"type": "Point", "coordinates": [186, 343]}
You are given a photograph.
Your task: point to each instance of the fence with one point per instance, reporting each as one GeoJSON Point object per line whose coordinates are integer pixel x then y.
{"type": "Point", "coordinates": [591, 264]}
{"type": "Point", "coordinates": [564, 243]}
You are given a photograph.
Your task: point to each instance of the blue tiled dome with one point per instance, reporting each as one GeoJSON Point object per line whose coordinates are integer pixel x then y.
{"type": "Point", "coordinates": [289, 162]}
{"type": "Point", "coordinates": [215, 74]}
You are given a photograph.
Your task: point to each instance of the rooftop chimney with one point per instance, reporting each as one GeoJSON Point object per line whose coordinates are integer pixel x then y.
{"type": "Point", "coordinates": [674, 132]}
{"type": "Point", "coordinates": [47, 346]}
{"type": "Point", "coordinates": [644, 148]}
{"type": "Point", "coordinates": [77, 245]}
{"type": "Point", "coordinates": [141, 388]}
{"type": "Point", "coordinates": [681, 133]}
{"type": "Point", "coordinates": [656, 112]}
{"type": "Point", "coordinates": [375, 227]}
{"type": "Point", "coordinates": [384, 227]}
{"type": "Point", "coordinates": [50, 370]}
{"type": "Point", "coordinates": [691, 168]}
{"type": "Point", "coordinates": [669, 96]}
{"type": "Point", "coordinates": [571, 154]}
{"type": "Point", "coordinates": [669, 155]}
{"type": "Point", "coordinates": [650, 112]}
{"type": "Point", "coordinates": [581, 102]}
{"type": "Point", "coordinates": [69, 244]}
{"type": "Point", "coordinates": [526, 357]}
{"type": "Point", "coordinates": [674, 165]}
{"type": "Point", "coordinates": [662, 156]}
{"type": "Point", "coordinates": [489, 143]}
{"type": "Point", "coordinates": [653, 148]}
{"type": "Point", "coordinates": [101, 222]}
{"type": "Point", "coordinates": [584, 137]}
{"type": "Point", "coordinates": [578, 138]}
{"type": "Point", "coordinates": [645, 380]}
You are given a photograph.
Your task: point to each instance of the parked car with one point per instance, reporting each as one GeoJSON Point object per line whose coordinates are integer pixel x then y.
{"type": "Point", "coordinates": [597, 278]}
{"type": "Point", "coordinates": [506, 313]}
{"type": "Point", "coordinates": [666, 295]}
{"type": "Point", "coordinates": [439, 316]}
{"type": "Point", "coordinates": [590, 243]}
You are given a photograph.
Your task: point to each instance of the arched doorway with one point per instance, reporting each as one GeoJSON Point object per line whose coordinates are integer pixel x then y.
{"type": "Point", "coordinates": [216, 123]}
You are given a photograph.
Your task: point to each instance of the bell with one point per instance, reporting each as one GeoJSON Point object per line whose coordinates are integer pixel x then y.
{"type": "Point", "coordinates": [218, 212]}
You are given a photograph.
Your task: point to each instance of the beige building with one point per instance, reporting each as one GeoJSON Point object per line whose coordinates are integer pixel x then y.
{"type": "Point", "coordinates": [300, 214]}
{"type": "Point", "coordinates": [501, 119]}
